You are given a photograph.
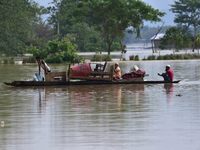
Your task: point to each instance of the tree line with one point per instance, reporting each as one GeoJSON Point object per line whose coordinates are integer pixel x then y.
{"type": "Point", "coordinates": [186, 33]}
{"type": "Point", "coordinates": [82, 25]}
{"type": "Point", "coordinates": [73, 25]}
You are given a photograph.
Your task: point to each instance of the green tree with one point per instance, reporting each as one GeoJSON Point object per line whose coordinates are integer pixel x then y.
{"type": "Point", "coordinates": [176, 37]}
{"type": "Point", "coordinates": [16, 18]}
{"type": "Point", "coordinates": [57, 51]}
{"type": "Point", "coordinates": [187, 13]}
{"type": "Point", "coordinates": [197, 42]}
{"type": "Point", "coordinates": [113, 16]}
{"type": "Point", "coordinates": [40, 34]}
{"type": "Point", "coordinates": [108, 17]}
{"type": "Point", "coordinates": [71, 17]}
{"type": "Point", "coordinates": [86, 37]}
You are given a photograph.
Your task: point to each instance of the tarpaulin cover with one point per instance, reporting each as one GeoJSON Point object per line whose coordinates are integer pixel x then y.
{"type": "Point", "coordinates": [80, 70]}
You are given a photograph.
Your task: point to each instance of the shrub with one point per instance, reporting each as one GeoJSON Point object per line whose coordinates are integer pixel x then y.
{"type": "Point", "coordinates": [54, 59]}
{"type": "Point", "coordinates": [107, 58]}
{"type": "Point", "coordinates": [132, 57]}
{"type": "Point", "coordinates": [173, 57]}
{"type": "Point", "coordinates": [98, 57]}
{"type": "Point", "coordinates": [151, 57]}
{"type": "Point", "coordinates": [137, 58]}
{"type": "Point", "coordinates": [5, 61]}
{"type": "Point", "coordinates": [57, 51]}
{"type": "Point", "coordinates": [8, 60]}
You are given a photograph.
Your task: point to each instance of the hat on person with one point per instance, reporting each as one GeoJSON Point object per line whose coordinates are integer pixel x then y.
{"type": "Point", "coordinates": [116, 63]}
{"type": "Point", "coordinates": [135, 67]}
{"type": "Point", "coordinates": [168, 66]}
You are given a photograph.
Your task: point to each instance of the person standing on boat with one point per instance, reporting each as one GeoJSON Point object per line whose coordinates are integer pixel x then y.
{"type": "Point", "coordinates": [39, 76]}
{"type": "Point", "coordinates": [168, 75]}
{"type": "Point", "coordinates": [117, 72]}
{"type": "Point", "coordinates": [42, 64]}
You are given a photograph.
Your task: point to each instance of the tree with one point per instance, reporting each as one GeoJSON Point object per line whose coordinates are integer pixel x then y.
{"type": "Point", "coordinates": [40, 34]}
{"type": "Point", "coordinates": [109, 18]}
{"type": "Point", "coordinates": [113, 16]}
{"type": "Point", "coordinates": [16, 18]}
{"type": "Point", "coordinates": [61, 51]}
{"type": "Point", "coordinates": [57, 51]}
{"type": "Point", "coordinates": [71, 17]}
{"type": "Point", "coordinates": [187, 13]}
{"type": "Point", "coordinates": [197, 42]}
{"type": "Point", "coordinates": [176, 37]}
{"type": "Point", "coordinates": [87, 38]}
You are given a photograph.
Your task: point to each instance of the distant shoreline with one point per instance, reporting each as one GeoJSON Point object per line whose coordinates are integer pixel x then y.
{"type": "Point", "coordinates": [143, 53]}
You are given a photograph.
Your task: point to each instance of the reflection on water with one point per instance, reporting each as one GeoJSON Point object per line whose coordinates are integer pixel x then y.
{"type": "Point", "coordinates": [169, 87]}
{"type": "Point", "coordinates": [143, 117]}
{"type": "Point", "coordinates": [86, 97]}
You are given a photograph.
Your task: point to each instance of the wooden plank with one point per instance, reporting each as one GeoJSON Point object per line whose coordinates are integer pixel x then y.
{"type": "Point", "coordinates": [55, 76]}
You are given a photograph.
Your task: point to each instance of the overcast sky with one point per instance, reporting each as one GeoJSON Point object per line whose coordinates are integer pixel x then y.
{"type": "Point", "coordinates": [163, 5]}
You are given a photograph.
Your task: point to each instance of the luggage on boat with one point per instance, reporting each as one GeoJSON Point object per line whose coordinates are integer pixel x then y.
{"type": "Point", "coordinates": [80, 71]}
{"type": "Point", "coordinates": [134, 74]}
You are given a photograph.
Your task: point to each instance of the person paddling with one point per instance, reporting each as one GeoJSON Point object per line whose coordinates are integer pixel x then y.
{"type": "Point", "coordinates": [168, 75]}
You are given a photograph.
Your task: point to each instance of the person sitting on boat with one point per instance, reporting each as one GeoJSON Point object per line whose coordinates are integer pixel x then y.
{"type": "Point", "coordinates": [168, 75]}
{"type": "Point", "coordinates": [117, 72]}
{"type": "Point", "coordinates": [136, 72]}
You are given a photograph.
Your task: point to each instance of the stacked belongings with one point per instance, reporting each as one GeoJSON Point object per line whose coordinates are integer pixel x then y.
{"type": "Point", "coordinates": [136, 74]}
{"type": "Point", "coordinates": [80, 71]}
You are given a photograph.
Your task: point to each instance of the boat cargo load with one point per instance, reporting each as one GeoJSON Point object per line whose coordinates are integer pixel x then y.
{"type": "Point", "coordinates": [80, 71]}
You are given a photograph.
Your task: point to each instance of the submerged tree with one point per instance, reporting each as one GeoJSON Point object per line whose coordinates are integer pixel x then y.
{"type": "Point", "coordinates": [71, 17]}
{"type": "Point", "coordinates": [17, 19]}
{"type": "Point", "coordinates": [107, 17]}
{"type": "Point", "coordinates": [113, 16]}
{"type": "Point", "coordinates": [57, 51]}
{"type": "Point", "coordinates": [176, 37]}
{"type": "Point", "coordinates": [187, 13]}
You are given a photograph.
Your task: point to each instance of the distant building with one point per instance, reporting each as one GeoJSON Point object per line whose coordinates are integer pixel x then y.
{"type": "Point", "coordinates": [155, 41]}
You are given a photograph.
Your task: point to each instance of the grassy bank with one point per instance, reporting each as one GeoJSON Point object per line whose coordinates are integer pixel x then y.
{"type": "Point", "coordinates": [173, 57]}
{"type": "Point", "coordinates": [97, 57]}
{"type": "Point", "coordinates": [16, 60]}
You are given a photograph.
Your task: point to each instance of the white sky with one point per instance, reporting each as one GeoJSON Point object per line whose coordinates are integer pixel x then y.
{"type": "Point", "coordinates": [43, 2]}
{"type": "Point", "coordinates": [160, 4]}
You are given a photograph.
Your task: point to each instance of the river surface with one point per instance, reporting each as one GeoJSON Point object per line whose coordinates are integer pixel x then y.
{"type": "Point", "coordinates": [103, 117]}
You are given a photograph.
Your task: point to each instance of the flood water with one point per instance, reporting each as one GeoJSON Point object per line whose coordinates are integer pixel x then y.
{"type": "Point", "coordinates": [103, 117]}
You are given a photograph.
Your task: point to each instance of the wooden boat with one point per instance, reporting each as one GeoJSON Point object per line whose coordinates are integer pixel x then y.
{"type": "Point", "coordinates": [84, 76]}
{"type": "Point", "coordinates": [36, 83]}
{"type": "Point", "coordinates": [82, 82]}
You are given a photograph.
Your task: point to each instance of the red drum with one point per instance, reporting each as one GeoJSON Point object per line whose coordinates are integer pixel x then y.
{"type": "Point", "coordinates": [80, 70]}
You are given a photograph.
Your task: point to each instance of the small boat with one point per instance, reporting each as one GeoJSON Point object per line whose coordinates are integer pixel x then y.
{"type": "Point", "coordinates": [82, 82]}
{"type": "Point", "coordinates": [36, 83]}
{"type": "Point", "coordinates": [81, 74]}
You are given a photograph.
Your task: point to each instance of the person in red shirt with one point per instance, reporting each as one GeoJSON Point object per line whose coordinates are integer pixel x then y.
{"type": "Point", "coordinates": [168, 75]}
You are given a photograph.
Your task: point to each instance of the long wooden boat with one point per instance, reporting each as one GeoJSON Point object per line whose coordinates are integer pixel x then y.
{"type": "Point", "coordinates": [83, 82]}
{"type": "Point", "coordinates": [36, 83]}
